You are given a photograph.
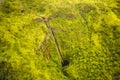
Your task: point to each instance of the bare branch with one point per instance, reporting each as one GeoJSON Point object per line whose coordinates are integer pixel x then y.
{"type": "Point", "coordinates": [65, 16]}
{"type": "Point", "coordinates": [39, 19]}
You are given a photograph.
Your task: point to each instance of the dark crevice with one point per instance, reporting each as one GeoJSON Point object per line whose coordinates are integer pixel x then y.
{"type": "Point", "coordinates": [65, 63]}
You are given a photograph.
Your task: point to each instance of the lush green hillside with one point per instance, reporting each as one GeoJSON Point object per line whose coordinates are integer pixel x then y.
{"type": "Point", "coordinates": [88, 33]}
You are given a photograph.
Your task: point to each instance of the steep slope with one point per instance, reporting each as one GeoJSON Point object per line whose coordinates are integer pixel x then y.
{"type": "Point", "coordinates": [89, 40]}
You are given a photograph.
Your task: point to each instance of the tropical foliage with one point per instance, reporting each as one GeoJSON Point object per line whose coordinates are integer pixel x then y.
{"type": "Point", "coordinates": [90, 40]}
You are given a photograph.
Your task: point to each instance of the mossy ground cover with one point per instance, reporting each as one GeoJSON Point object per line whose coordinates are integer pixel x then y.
{"type": "Point", "coordinates": [90, 40]}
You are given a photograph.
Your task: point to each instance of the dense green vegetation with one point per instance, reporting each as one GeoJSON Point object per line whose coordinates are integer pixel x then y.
{"type": "Point", "coordinates": [90, 40]}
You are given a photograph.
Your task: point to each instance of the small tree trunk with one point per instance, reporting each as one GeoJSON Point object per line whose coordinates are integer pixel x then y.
{"type": "Point", "coordinates": [55, 40]}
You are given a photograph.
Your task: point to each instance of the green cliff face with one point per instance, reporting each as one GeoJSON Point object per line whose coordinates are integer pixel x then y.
{"type": "Point", "coordinates": [88, 33]}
